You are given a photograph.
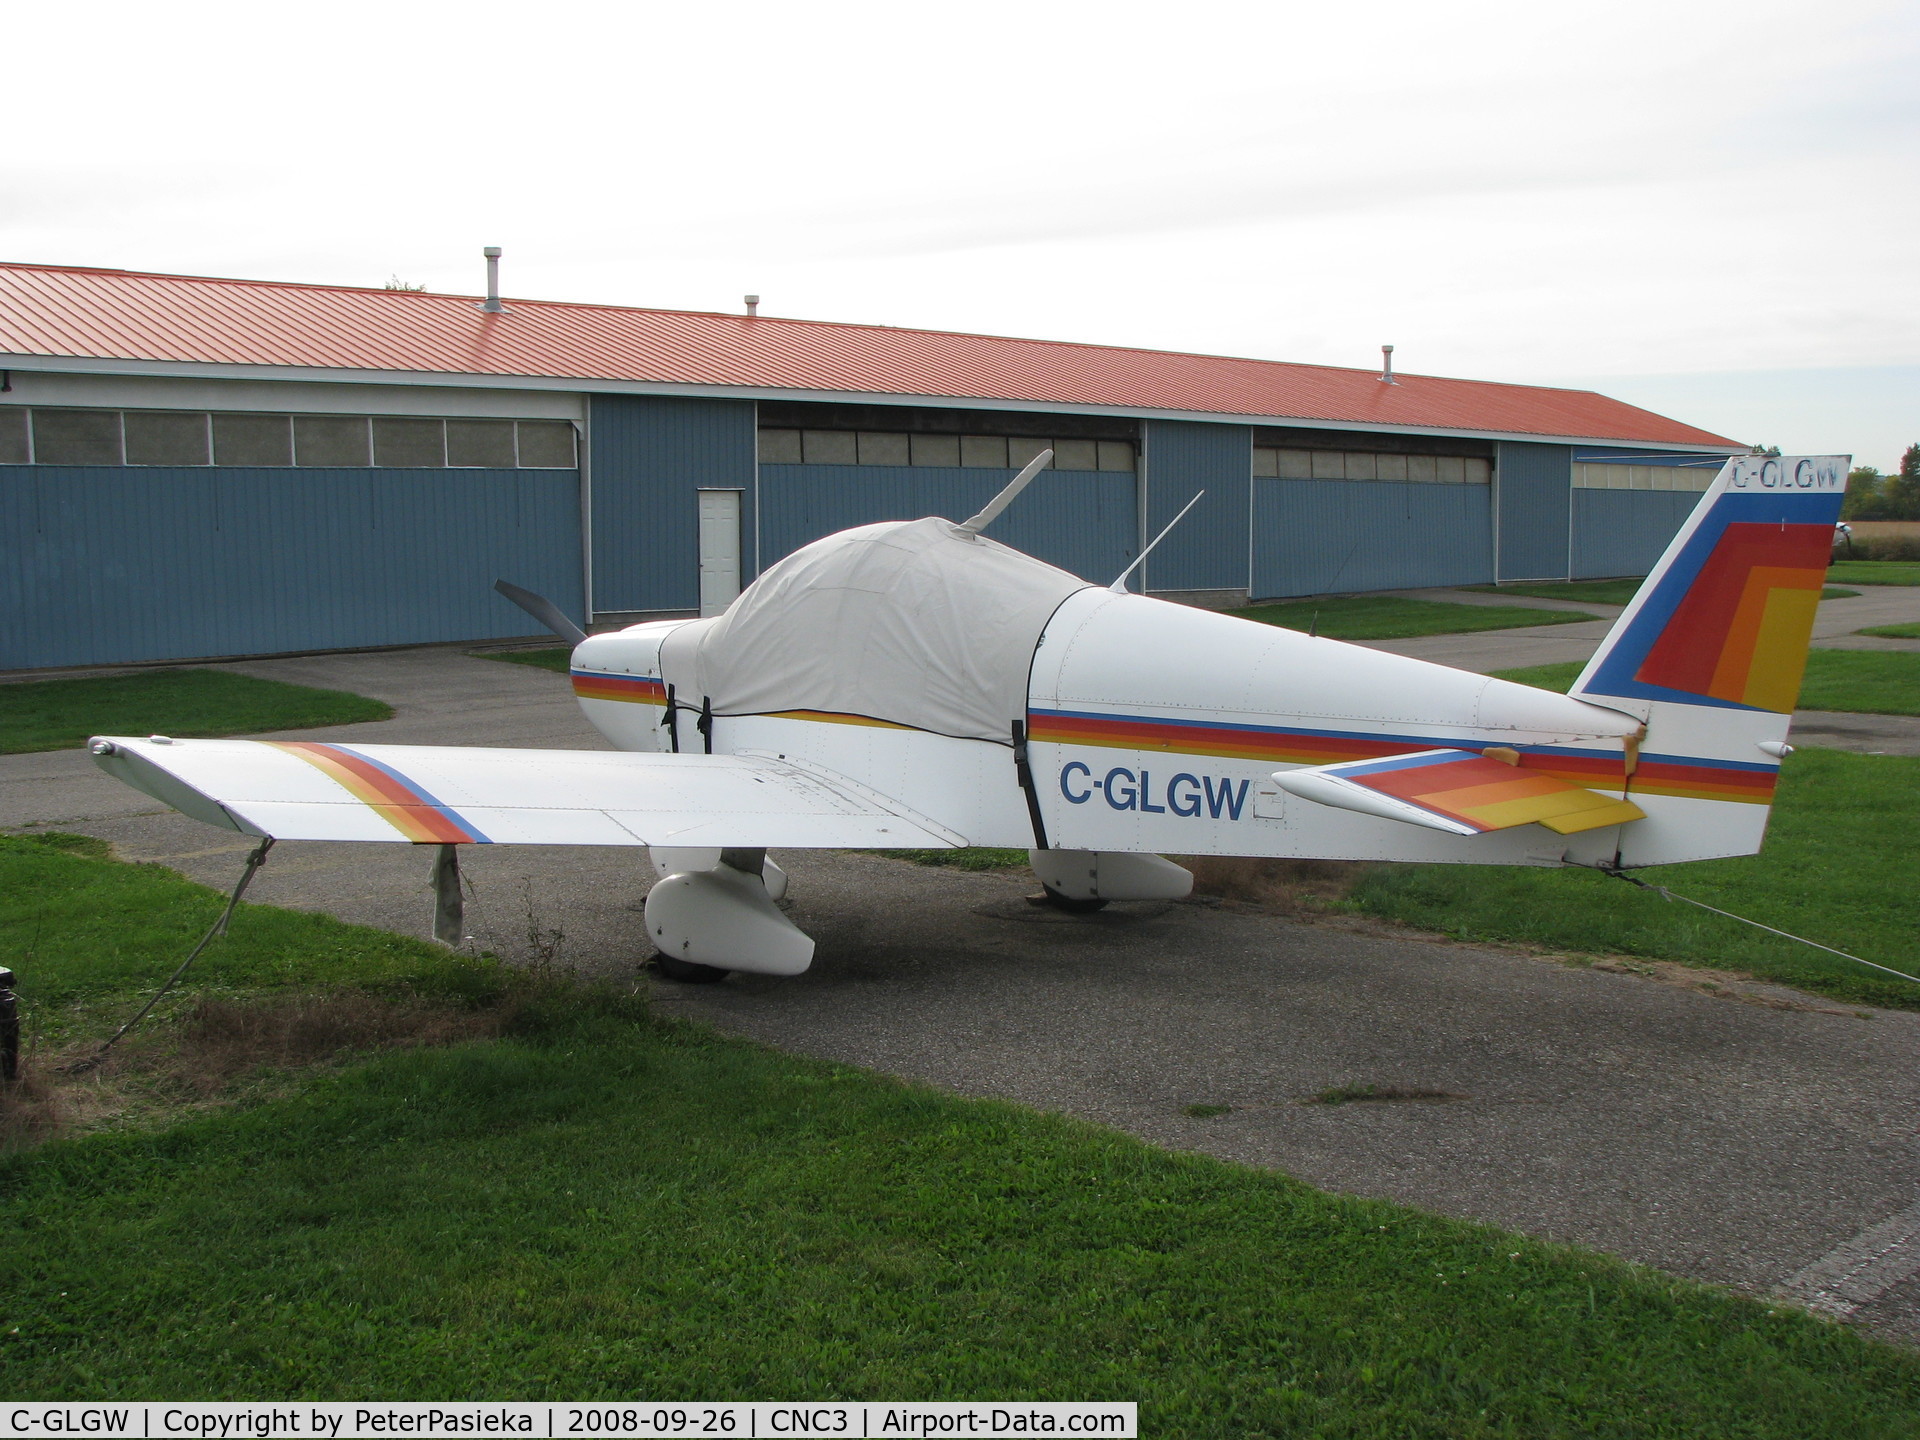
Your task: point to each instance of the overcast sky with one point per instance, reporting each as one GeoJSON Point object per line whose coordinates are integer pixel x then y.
{"type": "Point", "coordinates": [1707, 208]}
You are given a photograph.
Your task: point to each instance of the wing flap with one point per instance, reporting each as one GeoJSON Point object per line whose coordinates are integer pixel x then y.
{"type": "Point", "coordinates": [424, 794]}
{"type": "Point", "coordinates": [1458, 792]}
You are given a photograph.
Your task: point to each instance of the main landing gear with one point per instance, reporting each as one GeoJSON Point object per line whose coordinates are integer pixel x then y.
{"type": "Point", "coordinates": [713, 912]}
{"type": "Point", "coordinates": [1083, 881]}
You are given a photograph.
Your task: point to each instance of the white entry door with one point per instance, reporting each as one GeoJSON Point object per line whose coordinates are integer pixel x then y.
{"type": "Point", "coordinates": [719, 549]}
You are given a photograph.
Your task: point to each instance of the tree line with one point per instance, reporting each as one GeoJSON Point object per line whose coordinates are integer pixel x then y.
{"type": "Point", "coordinates": [1873, 496]}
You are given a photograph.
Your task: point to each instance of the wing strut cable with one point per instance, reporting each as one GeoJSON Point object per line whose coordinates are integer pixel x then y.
{"type": "Point", "coordinates": [1666, 894]}
{"type": "Point", "coordinates": [254, 862]}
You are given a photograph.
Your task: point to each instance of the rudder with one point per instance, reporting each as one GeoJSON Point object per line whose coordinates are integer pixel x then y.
{"type": "Point", "coordinates": [1711, 651]}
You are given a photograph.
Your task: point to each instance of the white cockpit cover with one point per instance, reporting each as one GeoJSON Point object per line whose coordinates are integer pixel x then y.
{"type": "Point", "coordinates": [910, 621]}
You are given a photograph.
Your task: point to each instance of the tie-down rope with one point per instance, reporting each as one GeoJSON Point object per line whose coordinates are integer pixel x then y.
{"type": "Point", "coordinates": [219, 928]}
{"type": "Point", "coordinates": [1666, 894]}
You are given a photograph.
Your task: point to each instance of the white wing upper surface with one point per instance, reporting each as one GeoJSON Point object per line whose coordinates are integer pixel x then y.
{"type": "Point", "coordinates": [423, 794]}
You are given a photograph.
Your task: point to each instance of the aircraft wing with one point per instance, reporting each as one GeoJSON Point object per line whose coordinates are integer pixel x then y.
{"type": "Point", "coordinates": [426, 794]}
{"type": "Point", "coordinates": [1459, 792]}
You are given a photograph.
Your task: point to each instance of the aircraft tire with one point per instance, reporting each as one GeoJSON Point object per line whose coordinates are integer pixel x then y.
{"type": "Point", "coordinates": [688, 972]}
{"type": "Point", "coordinates": [1070, 905]}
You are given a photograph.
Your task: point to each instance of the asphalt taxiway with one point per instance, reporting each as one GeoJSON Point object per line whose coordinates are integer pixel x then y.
{"type": "Point", "coordinates": [1762, 1140]}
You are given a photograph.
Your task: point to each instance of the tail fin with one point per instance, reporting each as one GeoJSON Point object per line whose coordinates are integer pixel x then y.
{"type": "Point", "coordinates": [1711, 651]}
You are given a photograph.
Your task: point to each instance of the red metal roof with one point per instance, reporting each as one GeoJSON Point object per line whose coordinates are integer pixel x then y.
{"type": "Point", "coordinates": [50, 310]}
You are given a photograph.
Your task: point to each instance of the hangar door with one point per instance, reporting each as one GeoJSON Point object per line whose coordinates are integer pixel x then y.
{"type": "Point", "coordinates": [1339, 521]}
{"type": "Point", "coordinates": [1624, 513]}
{"type": "Point", "coordinates": [1080, 514]}
{"type": "Point", "coordinates": [161, 535]}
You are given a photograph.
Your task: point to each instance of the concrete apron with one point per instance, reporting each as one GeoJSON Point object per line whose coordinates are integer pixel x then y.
{"type": "Point", "coordinates": [1743, 1143]}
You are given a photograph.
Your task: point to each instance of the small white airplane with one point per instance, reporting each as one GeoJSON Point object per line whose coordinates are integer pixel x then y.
{"type": "Point", "coordinates": [915, 685]}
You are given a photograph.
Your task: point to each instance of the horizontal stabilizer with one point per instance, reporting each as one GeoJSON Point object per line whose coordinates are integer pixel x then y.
{"type": "Point", "coordinates": [431, 794]}
{"type": "Point", "coordinates": [1458, 792]}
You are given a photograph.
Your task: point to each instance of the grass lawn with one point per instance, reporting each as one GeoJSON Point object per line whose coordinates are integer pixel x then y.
{"type": "Point", "coordinates": [1602, 592]}
{"type": "Point", "coordinates": [1870, 682]}
{"type": "Point", "coordinates": [1894, 632]}
{"type": "Point", "coordinates": [1599, 592]}
{"type": "Point", "coordinates": [1875, 572]}
{"type": "Point", "coordinates": [597, 1204]}
{"type": "Point", "coordinates": [1388, 617]}
{"type": "Point", "coordinates": [555, 659]}
{"type": "Point", "coordinates": [57, 714]}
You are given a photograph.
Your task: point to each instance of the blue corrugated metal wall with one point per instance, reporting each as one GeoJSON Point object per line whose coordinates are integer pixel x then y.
{"type": "Point", "coordinates": [1622, 532]}
{"type": "Point", "coordinates": [1209, 549]}
{"type": "Point", "coordinates": [1318, 537]}
{"type": "Point", "coordinates": [1533, 487]}
{"type": "Point", "coordinates": [100, 565]}
{"type": "Point", "coordinates": [649, 456]}
{"type": "Point", "coordinates": [1080, 520]}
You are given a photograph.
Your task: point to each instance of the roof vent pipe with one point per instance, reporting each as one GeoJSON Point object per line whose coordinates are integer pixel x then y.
{"type": "Point", "coordinates": [492, 303]}
{"type": "Point", "coordinates": [753, 305]}
{"type": "Point", "coordinates": [1386, 366]}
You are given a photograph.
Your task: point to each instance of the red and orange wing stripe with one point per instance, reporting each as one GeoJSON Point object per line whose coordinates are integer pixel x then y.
{"type": "Point", "coordinates": [384, 790]}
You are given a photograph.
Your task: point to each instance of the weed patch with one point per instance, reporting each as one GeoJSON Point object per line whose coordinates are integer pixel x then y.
{"type": "Point", "coordinates": [30, 1108]}
{"type": "Point", "coordinates": [1378, 1094]}
{"type": "Point", "coordinates": [966, 858]}
{"type": "Point", "coordinates": [1291, 887]}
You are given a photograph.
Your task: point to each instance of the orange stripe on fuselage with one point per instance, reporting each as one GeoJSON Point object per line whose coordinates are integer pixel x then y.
{"type": "Point", "coordinates": [633, 689]}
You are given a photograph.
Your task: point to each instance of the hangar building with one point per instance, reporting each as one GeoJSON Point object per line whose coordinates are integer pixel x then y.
{"type": "Point", "coordinates": [198, 468]}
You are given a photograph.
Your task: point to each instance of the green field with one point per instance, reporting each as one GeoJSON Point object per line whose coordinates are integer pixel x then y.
{"type": "Point", "coordinates": [556, 659]}
{"type": "Point", "coordinates": [60, 714]}
{"type": "Point", "coordinates": [593, 1203]}
{"type": "Point", "coordinates": [1869, 682]}
{"type": "Point", "coordinates": [1875, 572]}
{"type": "Point", "coordinates": [1389, 617]}
{"type": "Point", "coordinates": [1894, 632]}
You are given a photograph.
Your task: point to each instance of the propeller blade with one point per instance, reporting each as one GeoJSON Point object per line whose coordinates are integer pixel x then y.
{"type": "Point", "coordinates": [543, 610]}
